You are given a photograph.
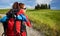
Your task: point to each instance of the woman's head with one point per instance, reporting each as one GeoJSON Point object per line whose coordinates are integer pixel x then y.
{"type": "Point", "coordinates": [16, 5]}
{"type": "Point", "coordinates": [15, 8]}
{"type": "Point", "coordinates": [22, 6]}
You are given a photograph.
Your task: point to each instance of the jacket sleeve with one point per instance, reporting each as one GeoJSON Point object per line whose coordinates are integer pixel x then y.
{"type": "Point", "coordinates": [25, 19]}
{"type": "Point", "coordinates": [21, 17]}
{"type": "Point", "coordinates": [3, 19]}
{"type": "Point", "coordinates": [28, 23]}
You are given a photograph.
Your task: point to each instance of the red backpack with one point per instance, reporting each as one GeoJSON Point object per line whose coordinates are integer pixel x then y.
{"type": "Point", "coordinates": [13, 26]}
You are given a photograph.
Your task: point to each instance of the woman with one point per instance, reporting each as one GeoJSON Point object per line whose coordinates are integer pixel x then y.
{"type": "Point", "coordinates": [22, 11]}
{"type": "Point", "coordinates": [10, 31]}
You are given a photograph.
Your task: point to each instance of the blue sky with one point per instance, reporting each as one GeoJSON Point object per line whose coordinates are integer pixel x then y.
{"type": "Point", "coordinates": [55, 4]}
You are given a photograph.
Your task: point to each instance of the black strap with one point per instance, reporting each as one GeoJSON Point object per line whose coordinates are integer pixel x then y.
{"type": "Point", "coordinates": [15, 27]}
{"type": "Point", "coordinates": [20, 27]}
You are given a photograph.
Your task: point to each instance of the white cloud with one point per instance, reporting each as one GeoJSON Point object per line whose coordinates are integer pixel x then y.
{"type": "Point", "coordinates": [8, 7]}
{"type": "Point", "coordinates": [43, 1]}
{"type": "Point", "coordinates": [11, 4]}
{"type": "Point", "coordinates": [29, 7]}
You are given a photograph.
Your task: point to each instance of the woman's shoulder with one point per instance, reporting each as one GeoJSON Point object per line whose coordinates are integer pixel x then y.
{"type": "Point", "coordinates": [8, 11]}
{"type": "Point", "coordinates": [3, 19]}
{"type": "Point", "coordinates": [21, 11]}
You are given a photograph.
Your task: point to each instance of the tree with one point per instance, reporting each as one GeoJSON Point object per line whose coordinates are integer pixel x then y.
{"type": "Point", "coordinates": [42, 6]}
{"type": "Point", "coordinates": [49, 6]}
{"type": "Point", "coordinates": [37, 7]}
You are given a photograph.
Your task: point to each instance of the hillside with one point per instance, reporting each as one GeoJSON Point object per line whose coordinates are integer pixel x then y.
{"type": "Point", "coordinates": [45, 21]}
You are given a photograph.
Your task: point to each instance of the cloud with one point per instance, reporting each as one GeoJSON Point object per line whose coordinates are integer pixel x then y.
{"type": "Point", "coordinates": [43, 1]}
{"type": "Point", "coordinates": [8, 7]}
{"type": "Point", "coordinates": [30, 3]}
{"type": "Point", "coordinates": [30, 7]}
{"type": "Point", "coordinates": [7, 3]}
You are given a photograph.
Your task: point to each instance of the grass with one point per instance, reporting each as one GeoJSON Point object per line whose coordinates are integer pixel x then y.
{"type": "Point", "coordinates": [3, 11]}
{"type": "Point", "coordinates": [46, 21]}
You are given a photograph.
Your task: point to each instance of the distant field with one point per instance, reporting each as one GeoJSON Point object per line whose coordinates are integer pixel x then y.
{"type": "Point", "coordinates": [46, 21]}
{"type": "Point", "coordinates": [50, 17]}
{"type": "Point", "coordinates": [2, 11]}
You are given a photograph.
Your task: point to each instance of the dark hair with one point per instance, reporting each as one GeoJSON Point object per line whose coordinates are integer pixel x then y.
{"type": "Point", "coordinates": [21, 5]}
{"type": "Point", "coordinates": [16, 5]}
{"type": "Point", "coordinates": [15, 8]}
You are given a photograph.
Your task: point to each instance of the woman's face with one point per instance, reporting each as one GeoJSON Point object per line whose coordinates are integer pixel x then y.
{"type": "Point", "coordinates": [22, 6]}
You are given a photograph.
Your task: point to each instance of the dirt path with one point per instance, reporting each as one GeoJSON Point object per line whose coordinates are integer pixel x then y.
{"type": "Point", "coordinates": [1, 29]}
{"type": "Point", "coordinates": [30, 31]}
{"type": "Point", "coordinates": [33, 32]}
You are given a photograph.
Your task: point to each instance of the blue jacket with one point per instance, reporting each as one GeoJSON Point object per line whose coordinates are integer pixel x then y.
{"type": "Point", "coordinates": [19, 17]}
{"type": "Point", "coordinates": [3, 19]}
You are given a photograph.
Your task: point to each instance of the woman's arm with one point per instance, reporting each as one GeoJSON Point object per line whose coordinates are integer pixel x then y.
{"type": "Point", "coordinates": [3, 19]}
{"type": "Point", "coordinates": [28, 23]}
{"type": "Point", "coordinates": [21, 17]}
{"type": "Point", "coordinates": [25, 19]}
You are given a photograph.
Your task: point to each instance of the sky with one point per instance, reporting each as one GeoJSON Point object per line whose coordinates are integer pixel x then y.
{"type": "Point", "coordinates": [55, 4]}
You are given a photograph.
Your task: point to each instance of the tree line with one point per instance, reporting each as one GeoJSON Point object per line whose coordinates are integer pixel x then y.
{"type": "Point", "coordinates": [42, 6]}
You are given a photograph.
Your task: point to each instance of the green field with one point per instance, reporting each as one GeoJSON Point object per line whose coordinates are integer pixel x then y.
{"type": "Point", "coordinates": [3, 11]}
{"type": "Point", "coordinates": [46, 21]}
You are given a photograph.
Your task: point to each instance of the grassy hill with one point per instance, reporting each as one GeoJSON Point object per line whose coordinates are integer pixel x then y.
{"type": "Point", "coordinates": [46, 21]}
{"type": "Point", "coordinates": [3, 11]}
